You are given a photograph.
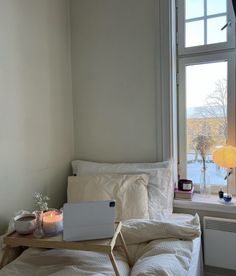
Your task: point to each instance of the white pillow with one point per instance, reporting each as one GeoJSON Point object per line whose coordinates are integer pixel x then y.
{"type": "Point", "coordinates": [160, 188]}
{"type": "Point", "coordinates": [160, 193]}
{"type": "Point", "coordinates": [87, 167]}
{"type": "Point", "coordinates": [129, 192]}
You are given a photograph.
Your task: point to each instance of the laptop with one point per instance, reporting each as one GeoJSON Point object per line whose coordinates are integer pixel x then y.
{"type": "Point", "coordinates": [88, 220]}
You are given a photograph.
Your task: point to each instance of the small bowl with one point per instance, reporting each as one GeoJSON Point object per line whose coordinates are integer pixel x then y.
{"type": "Point", "coordinates": [25, 224]}
{"type": "Point", "coordinates": [227, 197]}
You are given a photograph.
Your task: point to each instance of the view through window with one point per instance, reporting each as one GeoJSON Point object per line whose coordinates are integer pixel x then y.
{"type": "Point", "coordinates": [206, 106]}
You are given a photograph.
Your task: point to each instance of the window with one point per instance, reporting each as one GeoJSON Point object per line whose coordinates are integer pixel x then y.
{"type": "Point", "coordinates": [206, 86]}
{"type": "Point", "coordinates": [205, 25]}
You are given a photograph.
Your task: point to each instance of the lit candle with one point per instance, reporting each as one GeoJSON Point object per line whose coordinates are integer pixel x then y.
{"type": "Point", "coordinates": [52, 222]}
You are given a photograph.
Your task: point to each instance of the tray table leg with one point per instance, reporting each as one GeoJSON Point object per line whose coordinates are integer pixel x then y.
{"type": "Point", "coordinates": [6, 256]}
{"type": "Point", "coordinates": [125, 248]}
{"type": "Point", "coordinates": [10, 253]}
{"type": "Point", "coordinates": [114, 264]}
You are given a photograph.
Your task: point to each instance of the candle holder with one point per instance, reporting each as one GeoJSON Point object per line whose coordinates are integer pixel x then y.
{"type": "Point", "coordinates": [52, 222]}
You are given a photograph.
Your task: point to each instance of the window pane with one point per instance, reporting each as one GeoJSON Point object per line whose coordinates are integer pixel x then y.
{"type": "Point", "coordinates": [216, 6]}
{"type": "Point", "coordinates": [206, 106]}
{"type": "Point", "coordinates": [194, 8]}
{"type": "Point", "coordinates": [214, 33]}
{"type": "Point", "coordinates": [194, 33]}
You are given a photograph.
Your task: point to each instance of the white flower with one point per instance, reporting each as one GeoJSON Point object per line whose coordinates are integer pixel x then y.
{"type": "Point", "coordinates": [41, 201]}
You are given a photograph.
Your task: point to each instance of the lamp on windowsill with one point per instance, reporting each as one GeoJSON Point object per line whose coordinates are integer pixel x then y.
{"type": "Point", "coordinates": [225, 156]}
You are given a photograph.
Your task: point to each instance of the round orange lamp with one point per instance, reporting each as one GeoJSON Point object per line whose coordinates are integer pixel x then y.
{"type": "Point", "coordinates": [225, 156]}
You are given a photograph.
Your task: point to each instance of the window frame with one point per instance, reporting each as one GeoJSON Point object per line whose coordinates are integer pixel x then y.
{"type": "Point", "coordinates": [224, 51]}
{"type": "Point", "coordinates": [230, 30]}
{"type": "Point", "coordinates": [182, 133]}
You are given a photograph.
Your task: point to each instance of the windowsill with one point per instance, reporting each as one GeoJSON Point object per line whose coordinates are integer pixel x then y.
{"type": "Point", "coordinates": [210, 203]}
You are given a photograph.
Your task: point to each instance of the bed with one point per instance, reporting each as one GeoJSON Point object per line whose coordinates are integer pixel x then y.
{"type": "Point", "coordinates": [159, 242]}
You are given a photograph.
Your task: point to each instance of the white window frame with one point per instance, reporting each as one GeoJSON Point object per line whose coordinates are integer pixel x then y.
{"type": "Point", "coordinates": [224, 51]}
{"type": "Point", "coordinates": [182, 137]}
{"type": "Point", "coordinates": [230, 30]}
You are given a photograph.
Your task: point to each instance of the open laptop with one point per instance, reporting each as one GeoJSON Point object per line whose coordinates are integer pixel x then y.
{"type": "Point", "coordinates": [88, 220]}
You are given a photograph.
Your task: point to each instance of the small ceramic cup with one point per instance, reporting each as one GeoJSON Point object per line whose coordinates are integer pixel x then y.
{"type": "Point", "coordinates": [25, 224]}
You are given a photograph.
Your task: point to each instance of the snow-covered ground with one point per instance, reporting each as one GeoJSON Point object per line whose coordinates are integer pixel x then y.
{"type": "Point", "coordinates": [216, 174]}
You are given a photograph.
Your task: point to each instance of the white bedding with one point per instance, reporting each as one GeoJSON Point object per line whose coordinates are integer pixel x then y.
{"type": "Point", "coordinates": [156, 248]}
{"type": "Point", "coordinates": [168, 248]}
{"type": "Point", "coordinates": [196, 265]}
{"type": "Point", "coordinates": [59, 262]}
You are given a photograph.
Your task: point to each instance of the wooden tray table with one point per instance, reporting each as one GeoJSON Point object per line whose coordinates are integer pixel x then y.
{"type": "Point", "coordinates": [14, 240]}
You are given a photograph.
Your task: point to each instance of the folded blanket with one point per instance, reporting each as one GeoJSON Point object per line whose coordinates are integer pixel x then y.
{"type": "Point", "coordinates": [164, 257]}
{"type": "Point", "coordinates": [161, 247]}
{"type": "Point", "coordinates": [144, 230]}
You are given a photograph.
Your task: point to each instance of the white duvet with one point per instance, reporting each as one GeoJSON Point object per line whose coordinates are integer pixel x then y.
{"type": "Point", "coordinates": [155, 248]}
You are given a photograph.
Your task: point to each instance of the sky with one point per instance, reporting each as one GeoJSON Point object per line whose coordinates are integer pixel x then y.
{"type": "Point", "coordinates": [200, 81]}
{"type": "Point", "coordinates": [195, 8]}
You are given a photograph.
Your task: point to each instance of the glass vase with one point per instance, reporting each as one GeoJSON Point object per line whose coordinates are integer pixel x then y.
{"type": "Point", "coordinates": [205, 185]}
{"type": "Point", "coordinates": [38, 232]}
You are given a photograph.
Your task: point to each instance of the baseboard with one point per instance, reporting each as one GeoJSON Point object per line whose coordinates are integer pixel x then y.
{"type": "Point", "coordinates": [216, 271]}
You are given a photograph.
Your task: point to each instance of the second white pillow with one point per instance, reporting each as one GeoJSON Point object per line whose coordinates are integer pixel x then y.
{"type": "Point", "coordinates": [129, 192]}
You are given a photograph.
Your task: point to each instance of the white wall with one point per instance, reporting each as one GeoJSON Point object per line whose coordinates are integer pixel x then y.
{"type": "Point", "coordinates": [36, 120]}
{"type": "Point", "coordinates": [121, 94]}
{"type": "Point", "coordinates": [118, 83]}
